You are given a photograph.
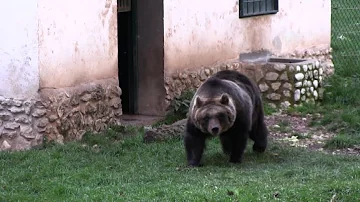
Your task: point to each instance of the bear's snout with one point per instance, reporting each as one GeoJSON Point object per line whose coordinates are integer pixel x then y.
{"type": "Point", "coordinates": [214, 127]}
{"type": "Point", "coordinates": [215, 130]}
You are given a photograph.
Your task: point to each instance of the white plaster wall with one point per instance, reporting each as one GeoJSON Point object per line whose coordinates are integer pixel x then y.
{"type": "Point", "coordinates": [203, 32]}
{"type": "Point", "coordinates": [19, 73]}
{"type": "Point", "coordinates": [78, 41]}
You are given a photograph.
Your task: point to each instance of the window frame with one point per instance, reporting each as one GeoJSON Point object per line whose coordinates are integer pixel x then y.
{"type": "Point", "coordinates": [242, 3]}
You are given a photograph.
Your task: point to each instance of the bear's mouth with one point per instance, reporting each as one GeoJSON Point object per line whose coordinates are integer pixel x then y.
{"type": "Point", "coordinates": [214, 131]}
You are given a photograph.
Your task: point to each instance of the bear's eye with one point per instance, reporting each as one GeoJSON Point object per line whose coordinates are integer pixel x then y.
{"type": "Point", "coordinates": [206, 118]}
{"type": "Point", "coordinates": [221, 116]}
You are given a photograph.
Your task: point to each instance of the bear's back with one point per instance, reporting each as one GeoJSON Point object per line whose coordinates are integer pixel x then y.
{"type": "Point", "coordinates": [223, 82]}
{"type": "Point", "coordinates": [240, 79]}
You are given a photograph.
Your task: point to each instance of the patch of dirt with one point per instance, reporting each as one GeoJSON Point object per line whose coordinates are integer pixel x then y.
{"type": "Point", "coordinates": [292, 130]}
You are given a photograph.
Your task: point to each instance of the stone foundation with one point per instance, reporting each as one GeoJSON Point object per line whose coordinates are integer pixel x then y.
{"type": "Point", "coordinates": [59, 114]}
{"type": "Point", "coordinates": [278, 81]}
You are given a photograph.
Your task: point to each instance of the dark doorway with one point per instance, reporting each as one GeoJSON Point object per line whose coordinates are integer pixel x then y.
{"type": "Point", "coordinates": [141, 56]}
{"type": "Point", "coordinates": [127, 68]}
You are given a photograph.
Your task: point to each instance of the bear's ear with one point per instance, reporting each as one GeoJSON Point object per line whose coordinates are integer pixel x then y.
{"type": "Point", "coordinates": [199, 102]}
{"type": "Point", "coordinates": [224, 99]}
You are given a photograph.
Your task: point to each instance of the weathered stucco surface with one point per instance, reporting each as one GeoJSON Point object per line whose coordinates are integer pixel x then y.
{"type": "Point", "coordinates": [200, 33]}
{"type": "Point", "coordinates": [58, 70]}
{"type": "Point", "coordinates": [19, 74]}
{"type": "Point", "coordinates": [78, 41]}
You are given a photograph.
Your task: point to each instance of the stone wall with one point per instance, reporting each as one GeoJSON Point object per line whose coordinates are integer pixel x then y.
{"type": "Point", "coordinates": [59, 114]}
{"type": "Point", "coordinates": [264, 75]}
{"type": "Point", "coordinates": [308, 82]}
{"type": "Point", "coordinates": [284, 84]}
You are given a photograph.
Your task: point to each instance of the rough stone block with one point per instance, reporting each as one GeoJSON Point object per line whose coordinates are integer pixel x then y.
{"type": "Point", "coordinates": [5, 116]}
{"type": "Point", "coordinates": [86, 97]}
{"type": "Point", "coordinates": [263, 87]}
{"type": "Point", "coordinates": [9, 134]}
{"type": "Point", "coordinates": [287, 93]}
{"type": "Point", "coordinates": [275, 86]}
{"type": "Point", "coordinates": [287, 86]}
{"type": "Point", "coordinates": [274, 96]}
{"type": "Point", "coordinates": [23, 119]}
{"type": "Point", "coordinates": [16, 110]}
{"type": "Point", "coordinates": [299, 76]}
{"type": "Point", "coordinates": [39, 113]}
{"type": "Point", "coordinates": [297, 95]}
{"type": "Point", "coordinates": [11, 126]}
{"type": "Point", "coordinates": [5, 146]}
{"type": "Point", "coordinates": [27, 132]}
{"type": "Point", "coordinates": [284, 77]}
{"type": "Point", "coordinates": [271, 76]}
{"type": "Point", "coordinates": [280, 67]}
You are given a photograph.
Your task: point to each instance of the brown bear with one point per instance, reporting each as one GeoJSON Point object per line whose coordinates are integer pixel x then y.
{"type": "Point", "coordinates": [227, 105]}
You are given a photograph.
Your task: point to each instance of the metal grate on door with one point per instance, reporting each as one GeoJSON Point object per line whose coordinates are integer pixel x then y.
{"type": "Point", "coordinates": [124, 5]}
{"type": "Point", "coordinates": [258, 7]}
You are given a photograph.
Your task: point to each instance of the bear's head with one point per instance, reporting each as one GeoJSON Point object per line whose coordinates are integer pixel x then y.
{"type": "Point", "coordinates": [213, 115]}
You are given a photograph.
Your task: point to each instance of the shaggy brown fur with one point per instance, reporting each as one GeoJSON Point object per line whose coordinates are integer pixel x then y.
{"type": "Point", "coordinates": [227, 105]}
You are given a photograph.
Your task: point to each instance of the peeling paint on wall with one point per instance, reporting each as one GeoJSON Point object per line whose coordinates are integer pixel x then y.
{"type": "Point", "coordinates": [77, 43]}
{"type": "Point", "coordinates": [19, 74]}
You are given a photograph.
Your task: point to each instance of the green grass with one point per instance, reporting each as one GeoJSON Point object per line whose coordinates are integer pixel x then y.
{"type": "Point", "coordinates": [268, 109]}
{"type": "Point", "coordinates": [117, 167]}
{"type": "Point", "coordinates": [341, 105]}
{"type": "Point", "coordinates": [122, 168]}
{"type": "Point", "coordinates": [345, 41]}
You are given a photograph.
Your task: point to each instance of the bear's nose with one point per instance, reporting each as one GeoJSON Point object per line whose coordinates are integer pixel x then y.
{"type": "Point", "coordinates": [215, 130]}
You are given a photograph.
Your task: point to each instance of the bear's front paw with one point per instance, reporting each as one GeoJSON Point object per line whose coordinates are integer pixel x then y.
{"type": "Point", "coordinates": [259, 149]}
{"type": "Point", "coordinates": [194, 164]}
{"type": "Point", "coordinates": [235, 160]}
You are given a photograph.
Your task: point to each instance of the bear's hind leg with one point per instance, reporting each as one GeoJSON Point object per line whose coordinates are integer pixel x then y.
{"type": "Point", "coordinates": [259, 134]}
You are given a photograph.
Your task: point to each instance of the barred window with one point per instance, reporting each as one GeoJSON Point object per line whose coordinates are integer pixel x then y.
{"type": "Point", "coordinates": [124, 5]}
{"type": "Point", "coordinates": [250, 8]}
